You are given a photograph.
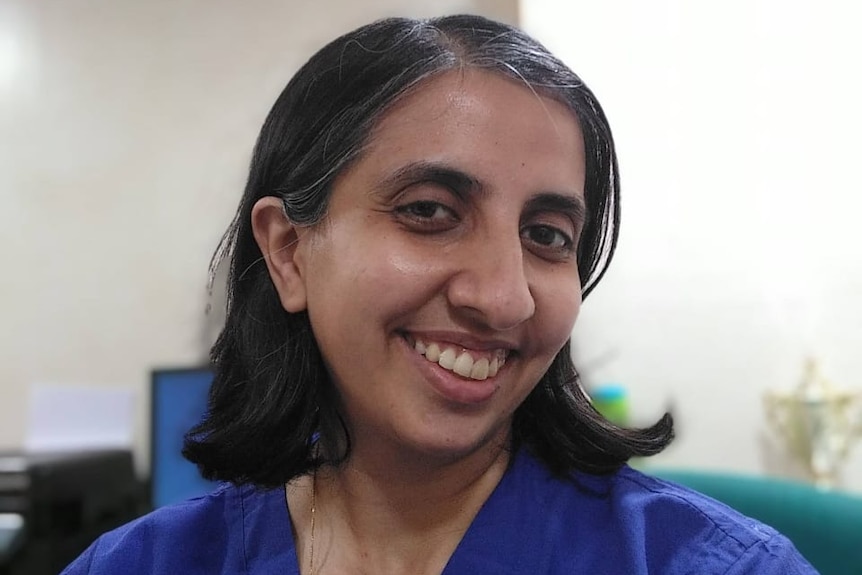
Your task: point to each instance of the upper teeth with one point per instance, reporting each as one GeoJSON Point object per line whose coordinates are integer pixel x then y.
{"type": "Point", "coordinates": [463, 363]}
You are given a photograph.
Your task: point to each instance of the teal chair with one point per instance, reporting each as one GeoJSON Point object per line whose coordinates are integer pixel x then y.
{"type": "Point", "coordinates": [826, 526]}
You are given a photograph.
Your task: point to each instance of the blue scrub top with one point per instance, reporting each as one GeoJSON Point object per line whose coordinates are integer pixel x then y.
{"type": "Point", "coordinates": [533, 523]}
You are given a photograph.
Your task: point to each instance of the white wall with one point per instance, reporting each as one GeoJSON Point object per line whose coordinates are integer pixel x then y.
{"type": "Point", "coordinates": [738, 127]}
{"type": "Point", "coordinates": [125, 132]}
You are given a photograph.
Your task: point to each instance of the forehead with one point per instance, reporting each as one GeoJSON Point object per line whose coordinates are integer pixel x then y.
{"type": "Point", "coordinates": [484, 122]}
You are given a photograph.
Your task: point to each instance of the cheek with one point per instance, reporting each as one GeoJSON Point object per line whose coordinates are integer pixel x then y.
{"type": "Point", "coordinates": [560, 310]}
{"type": "Point", "coordinates": [400, 267]}
{"type": "Point", "coordinates": [371, 279]}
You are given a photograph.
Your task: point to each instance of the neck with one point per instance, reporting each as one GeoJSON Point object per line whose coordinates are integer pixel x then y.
{"type": "Point", "coordinates": [376, 514]}
{"type": "Point", "coordinates": [428, 489]}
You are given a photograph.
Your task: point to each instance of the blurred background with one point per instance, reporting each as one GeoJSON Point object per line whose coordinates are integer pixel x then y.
{"type": "Point", "coordinates": [126, 128]}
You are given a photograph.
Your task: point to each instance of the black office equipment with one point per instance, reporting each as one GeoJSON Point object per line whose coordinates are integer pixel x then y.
{"type": "Point", "coordinates": [63, 501]}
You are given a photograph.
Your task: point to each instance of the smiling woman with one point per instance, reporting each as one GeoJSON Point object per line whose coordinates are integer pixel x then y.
{"type": "Point", "coordinates": [427, 205]}
{"type": "Point", "coordinates": [475, 264]}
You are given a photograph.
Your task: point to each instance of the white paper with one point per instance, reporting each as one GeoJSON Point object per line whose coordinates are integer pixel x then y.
{"type": "Point", "coordinates": [67, 417]}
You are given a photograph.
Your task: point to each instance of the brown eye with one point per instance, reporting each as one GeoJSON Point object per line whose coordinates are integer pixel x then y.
{"type": "Point", "coordinates": [547, 236]}
{"type": "Point", "coordinates": [427, 210]}
{"type": "Point", "coordinates": [427, 216]}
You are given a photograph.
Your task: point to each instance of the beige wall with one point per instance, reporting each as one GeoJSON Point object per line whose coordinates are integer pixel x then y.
{"type": "Point", "coordinates": [125, 132]}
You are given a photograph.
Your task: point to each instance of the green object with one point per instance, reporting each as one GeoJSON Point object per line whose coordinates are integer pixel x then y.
{"type": "Point", "coordinates": [825, 526]}
{"type": "Point", "coordinates": [611, 400]}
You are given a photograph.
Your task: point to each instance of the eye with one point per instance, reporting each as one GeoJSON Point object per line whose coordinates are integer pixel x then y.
{"type": "Point", "coordinates": [548, 241]}
{"type": "Point", "coordinates": [427, 210]}
{"type": "Point", "coordinates": [547, 236]}
{"type": "Point", "coordinates": [427, 215]}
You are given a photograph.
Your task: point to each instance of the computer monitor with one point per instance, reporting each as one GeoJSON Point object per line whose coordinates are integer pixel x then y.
{"type": "Point", "coordinates": [178, 401]}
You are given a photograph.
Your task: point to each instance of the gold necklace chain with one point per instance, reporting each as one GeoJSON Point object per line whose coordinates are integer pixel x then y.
{"type": "Point", "coordinates": [313, 506]}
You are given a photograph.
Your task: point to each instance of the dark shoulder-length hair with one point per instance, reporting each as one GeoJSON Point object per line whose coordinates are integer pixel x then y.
{"type": "Point", "coordinates": [271, 393]}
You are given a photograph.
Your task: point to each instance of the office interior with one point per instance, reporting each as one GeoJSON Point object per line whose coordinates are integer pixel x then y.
{"type": "Point", "coordinates": [125, 134]}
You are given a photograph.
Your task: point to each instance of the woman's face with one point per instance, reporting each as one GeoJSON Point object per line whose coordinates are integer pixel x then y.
{"type": "Point", "coordinates": [444, 279]}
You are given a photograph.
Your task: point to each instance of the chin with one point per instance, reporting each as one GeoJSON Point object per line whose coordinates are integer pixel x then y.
{"type": "Point", "coordinates": [451, 444]}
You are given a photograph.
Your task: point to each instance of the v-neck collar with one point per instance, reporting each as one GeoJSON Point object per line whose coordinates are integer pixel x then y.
{"type": "Point", "coordinates": [507, 537]}
{"type": "Point", "coordinates": [512, 529]}
{"type": "Point", "coordinates": [267, 532]}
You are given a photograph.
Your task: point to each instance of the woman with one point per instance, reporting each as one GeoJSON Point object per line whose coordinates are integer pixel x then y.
{"type": "Point", "coordinates": [427, 203]}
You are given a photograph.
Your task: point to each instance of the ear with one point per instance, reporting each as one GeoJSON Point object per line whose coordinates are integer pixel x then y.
{"type": "Point", "coordinates": [278, 240]}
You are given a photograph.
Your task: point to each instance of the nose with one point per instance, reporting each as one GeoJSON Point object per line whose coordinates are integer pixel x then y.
{"type": "Point", "coordinates": [491, 284]}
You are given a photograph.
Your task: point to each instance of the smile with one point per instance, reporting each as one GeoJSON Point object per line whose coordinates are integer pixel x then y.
{"type": "Point", "coordinates": [472, 364]}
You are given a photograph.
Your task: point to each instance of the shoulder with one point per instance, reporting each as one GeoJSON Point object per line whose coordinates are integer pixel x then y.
{"type": "Point", "coordinates": [199, 535]}
{"type": "Point", "coordinates": [641, 524]}
{"type": "Point", "coordinates": [684, 525]}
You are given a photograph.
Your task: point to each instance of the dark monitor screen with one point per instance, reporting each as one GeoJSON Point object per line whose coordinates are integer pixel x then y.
{"type": "Point", "coordinates": [178, 401]}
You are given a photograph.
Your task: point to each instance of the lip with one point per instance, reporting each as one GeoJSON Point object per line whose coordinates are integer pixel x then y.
{"type": "Point", "coordinates": [451, 386]}
{"type": "Point", "coordinates": [459, 339]}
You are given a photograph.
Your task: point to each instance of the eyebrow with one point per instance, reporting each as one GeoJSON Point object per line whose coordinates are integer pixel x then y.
{"type": "Point", "coordinates": [573, 206]}
{"type": "Point", "coordinates": [460, 182]}
{"type": "Point", "coordinates": [464, 185]}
